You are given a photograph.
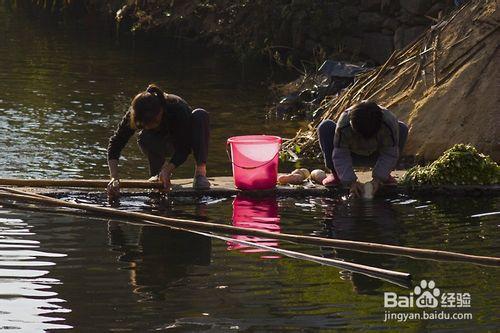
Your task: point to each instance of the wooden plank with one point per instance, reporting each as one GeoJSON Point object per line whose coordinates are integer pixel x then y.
{"type": "Point", "coordinates": [224, 187]}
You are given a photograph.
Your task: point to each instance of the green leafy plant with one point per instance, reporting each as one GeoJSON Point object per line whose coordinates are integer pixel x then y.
{"type": "Point", "coordinates": [460, 165]}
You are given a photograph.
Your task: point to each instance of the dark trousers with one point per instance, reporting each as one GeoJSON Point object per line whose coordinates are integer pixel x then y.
{"type": "Point", "coordinates": [156, 146]}
{"type": "Point", "coordinates": [326, 132]}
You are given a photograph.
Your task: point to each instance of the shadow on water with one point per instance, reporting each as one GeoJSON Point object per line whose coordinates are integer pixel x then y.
{"type": "Point", "coordinates": [371, 221]}
{"type": "Point", "coordinates": [161, 257]}
{"type": "Point", "coordinates": [368, 221]}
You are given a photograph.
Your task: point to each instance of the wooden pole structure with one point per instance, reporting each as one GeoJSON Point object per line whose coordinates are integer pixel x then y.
{"type": "Point", "coordinates": [227, 229]}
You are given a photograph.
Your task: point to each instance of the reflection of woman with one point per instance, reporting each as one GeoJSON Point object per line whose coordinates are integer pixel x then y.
{"type": "Point", "coordinates": [161, 256]}
{"type": "Point", "coordinates": [163, 120]}
{"type": "Point", "coordinates": [366, 221]}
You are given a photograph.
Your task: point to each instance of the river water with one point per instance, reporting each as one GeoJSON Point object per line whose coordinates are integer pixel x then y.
{"type": "Point", "coordinates": [61, 94]}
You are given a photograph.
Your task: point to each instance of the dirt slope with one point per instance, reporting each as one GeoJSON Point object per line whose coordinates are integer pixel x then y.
{"type": "Point", "coordinates": [465, 108]}
{"type": "Point", "coordinates": [444, 85]}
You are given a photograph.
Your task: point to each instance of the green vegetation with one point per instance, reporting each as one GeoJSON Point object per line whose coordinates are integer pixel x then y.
{"type": "Point", "coordinates": [460, 165]}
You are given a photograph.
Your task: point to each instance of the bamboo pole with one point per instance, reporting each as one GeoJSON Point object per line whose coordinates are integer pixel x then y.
{"type": "Point", "coordinates": [366, 89]}
{"type": "Point", "coordinates": [87, 183]}
{"type": "Point", "coordinates": [460, 65]}
{"type": "Point", "coordinates": [215, 227]}
{"type": "Point", "coordinates": [402, 279]}
{"type": "Point", "coordinates": [399, 278]}
{"type": "Point", "coordinates": [477, 43]}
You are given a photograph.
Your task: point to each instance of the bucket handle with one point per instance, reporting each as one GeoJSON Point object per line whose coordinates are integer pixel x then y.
{"type": "Point", "coordinates": [248, 168]}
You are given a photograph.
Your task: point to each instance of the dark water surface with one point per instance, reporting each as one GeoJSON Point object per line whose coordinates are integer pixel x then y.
{"type": "Point", "coordinates": [61, 94]}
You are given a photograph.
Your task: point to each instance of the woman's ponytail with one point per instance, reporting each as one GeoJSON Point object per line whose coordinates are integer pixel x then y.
{"type": "Point", "coordinates": [154, 90]}
{"type": "Point", "coordinates": [146, 106]}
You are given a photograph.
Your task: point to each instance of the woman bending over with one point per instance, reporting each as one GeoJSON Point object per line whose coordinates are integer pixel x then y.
{"type": "Point", "coordinates": [166, 123]}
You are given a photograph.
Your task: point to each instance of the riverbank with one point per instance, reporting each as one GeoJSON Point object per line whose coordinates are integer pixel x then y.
{"type": "Point", "coordinates": [443, 86]}
{"type": "Point", "coordinates": [286, 31]}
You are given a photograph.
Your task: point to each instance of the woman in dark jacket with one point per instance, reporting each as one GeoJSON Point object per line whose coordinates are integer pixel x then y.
{"type": "Point", "coordinates": [164, 121]}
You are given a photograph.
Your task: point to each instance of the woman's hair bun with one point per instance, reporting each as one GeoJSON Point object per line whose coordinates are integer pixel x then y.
{"type": "Point", "coordinates": [153, 89]}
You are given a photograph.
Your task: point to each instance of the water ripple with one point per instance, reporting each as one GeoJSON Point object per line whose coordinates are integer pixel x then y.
{"type": "Point", "coordinates": [27, 301]}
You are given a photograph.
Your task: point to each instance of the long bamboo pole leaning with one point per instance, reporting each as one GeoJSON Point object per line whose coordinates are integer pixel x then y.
{"type": "Point", "coordinates": [412, 252]}
{"type": "Point", "coordinates": [402, 279]}
{"type": "Point", "coordinates": [399, 278]}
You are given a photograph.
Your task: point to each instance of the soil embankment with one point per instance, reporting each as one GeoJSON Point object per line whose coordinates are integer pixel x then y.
{"type": "Point", "coordinates": [444, 85]}
{"type": "Point", "coordinates": [464, 107]}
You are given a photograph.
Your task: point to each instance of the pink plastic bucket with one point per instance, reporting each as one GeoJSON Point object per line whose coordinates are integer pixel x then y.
{"type": "Point", "coordinates": [255, 161]}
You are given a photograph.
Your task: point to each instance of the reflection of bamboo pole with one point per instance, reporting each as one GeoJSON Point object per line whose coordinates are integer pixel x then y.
{"type": "Point", "coordinates": [215, 227]}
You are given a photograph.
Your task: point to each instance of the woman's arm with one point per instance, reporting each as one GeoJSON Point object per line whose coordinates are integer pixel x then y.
{"type": "Point", "coordinates": [113, 169]}
{"type": "Point", "coordinates": [120, 137]}
{"type": "Point", "coordinates": [113, 187]}
{"type": "Point", "coordinates": [116, 144]}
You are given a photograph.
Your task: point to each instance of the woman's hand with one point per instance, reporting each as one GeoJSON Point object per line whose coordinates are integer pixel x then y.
{"type": "Point", "coordinates": [113, 189]}
{"type": "Point", "coordinates": [356, 189]}
{"type": "Point", "coordinates": [165, 176]}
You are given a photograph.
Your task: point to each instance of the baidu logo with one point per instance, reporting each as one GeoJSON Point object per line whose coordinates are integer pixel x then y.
{"type": "Point", "coordinates": [425, 298]}
{"type": "Point", "coordinates": [427, 295]}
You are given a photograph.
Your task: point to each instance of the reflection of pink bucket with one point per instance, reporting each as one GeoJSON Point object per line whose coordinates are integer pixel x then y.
{"type": "Point", "coordinates": [257, 213]}
{"type": "Point", "coordinates": [255, 161]}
